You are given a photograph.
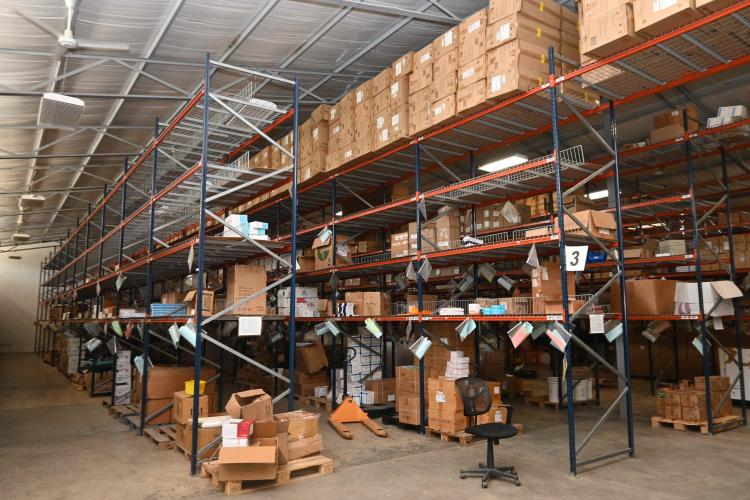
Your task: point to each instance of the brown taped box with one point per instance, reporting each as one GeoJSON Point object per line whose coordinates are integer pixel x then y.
{"type": "Point", "coordinates": [522, 26]}
{"type": "Point", "coordinates": [473, 98]}
{"type": "Point", "coordinates": [302, 424]}
{"type": "Point", "coordinates": [471, 37]}
{"type": "Point", "coordinates": [546, 283]}
{"type": "Point", "coordinates": [375, 304]}
{"type": "Point", "coordinates": [182, 407]}
{"type": "Point", "coordinates": [601, 224]}
{"type": "Point", "coordinates": [661, 398]}
{"type": "Point", "coordinates": [403, 65]}
{"type": "Point", "coordinates": [399, 91]}
{"type": "Point", "coordinates": [419, 111]}
{"type": "Point", "coordinates": [497, 414]}
{"type": "Point", "coordinates": [608, 33]}
{"type": "Point", "coordinates": [443, 110]}
{"type": "Point", "coordinates": [242, 281]}
{"type": "Point", "coordinates": [252, 404]}
{"type": "Point", "coordinates": [382, 81]}
{"type": "Point", "coordinates": [547, 11]}
{"type": "Point", "coordinates": [421, 76]}
{"type": "Point", "coordinates": [399, 126]}
{"type": "Point", "coordinates": [164, 381]}
{"type": "Point", "coordinates": [184, 438]}
{"type": "Point", "coordinates": [716, 383]}
{"type": "Point", "coordinates": [446, 79]}
{"type": "Point", "coordinates": [407, 379]}
{"type": "Point", "coordinates": [445, 43]}
{"type": "Point", "coordinates": [656, 18]}
{"type": "Point", "coordinates": [472, 72]}
{"type": "Point", "coordinates": [510, 69]}
{"type": "Point", "coordinates": [383, 389]}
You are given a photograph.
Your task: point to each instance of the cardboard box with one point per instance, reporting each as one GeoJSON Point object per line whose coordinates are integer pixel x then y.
{"type": "Point", "coordinates": [251, 404]}
{"type": "Point", "coordinates": [407, 379]}
{"type": "Point", "coordinates": [155, 405]}
{"type": "Point", "coordinates": [471, 37]}
{"type": "Point", "coordinates": [716, 383]}
{"type": "Point", "coordinates": [375, 304]}
{"type": "Point", "coordinates": [667, 133]}
{"type": "Point", "coordinates": [399, 92]}
{"type": "Point", "coordinates": [717, 298]}
{"type": "Point", "coordinates": [403, 65]}
{"type": "Point", "coordinates": [609, 33]}
{"type": "Point", "coordinates": [410, 417]}
{"type": "Point", "coordinates": [399, 127]}
{"type": "Point", "coordinates": [446, 78]}
{"type": "Point", "coordinates": [676, 117]}
{"type": "Point", "coordinates": [472, 72]}
{"type": "Point", "coordinates": [301, 448]}
{"type": "Point", "coordinates": [421, 76]}
{"type": "Point", "coordinates": [324, 254]}
{"type": "Point", "coordinates": [657, 17]}
{"type": "Point", "coordinates": [645, 297]}
{"type": "Point", "coordinates": [302, 424]}
{"type": "Point", "coordinates": [445, 43]}
{"type": "Point", "coordinates": [472, 98]}
{"type": "Point", "coordinates": [510, 69]}
{"type": "Point", "coordinates": [382, 82]}
{"type": "Point", "coordinates": [242, 281]}
{"type": "Point", "coordinates": [312, 356]}
{"type": "Point", "coordinates": [601, 224]}
{"type": "Point", "coordinates": [547, 11]}
{"type": "Point", "coordinates": [498, 414]}
{"type": "Point", "coordinates": [164, 381]}
{"type": "Point", "coordinates": [384, 390]}
{"type": "Point", "coordinates": [184, 438]}
{"type": "Point", "coordinates": [443, 110]}
{"type": "Point", "coordinates": [546, 283]}
{"type": "Point", "coordinates": [419, 110]}
{"type": "Point", "coordinates": [247, 463]}
{"type": "Point", "coordinates": [400, 244]}
{"type": "Point", "coordinates": [182, 409]}
{"type": "Point", "coordinates": [191, 298]}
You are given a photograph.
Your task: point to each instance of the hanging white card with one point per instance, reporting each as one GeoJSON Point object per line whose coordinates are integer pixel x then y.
{"type": "Point", "coordinates": [120, 280]}
{"type": "Point", "coordinates": [596, 323]}
{"type": "Point", "coordinates": [575, 257]}
{"type": "Point", "coordinates": [250, 326]}
{"type": "Point", "coordinates": [191, 256]}
{"type": "Point", "coordinates": [174, 334]}
{"type": "Point", "coordinates": [373, 327]}
{"type": "Point", "coordinates": [187, 331]}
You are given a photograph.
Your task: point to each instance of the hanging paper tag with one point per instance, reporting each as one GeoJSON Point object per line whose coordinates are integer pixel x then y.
{"type": "Point", "coordinates": [575, 257]}
{"type": "Point", "coordinates": [596, 323]}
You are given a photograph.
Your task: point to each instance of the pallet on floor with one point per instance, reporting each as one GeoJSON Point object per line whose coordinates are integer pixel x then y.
{"type": "Point", "coordinates": [720, 424]}
{"type": "Point", "coordinates": [163, 436]}
{"type": "Point", "coordinates": [463, 438]}
{"type": "Point", "coordinates": [187, 453]}
{"type": "Point", "coordinates": [122, 411]}
{"type": "Point", "coordinates": [544, 402]}
{"type": "Point", "coordinates": [295, 470]}
{"type": "Point", "coordinates": [318, 403]}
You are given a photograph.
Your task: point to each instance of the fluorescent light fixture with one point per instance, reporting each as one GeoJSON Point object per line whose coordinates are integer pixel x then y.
{"type": "Point", "coordinates": [31, 201]}
{"type": "Point", "coordinates": [504, 163]}
{"type": "Point", "coordinates": [20, 237]}
{"type": "Point", "coordinates": [340, 213]}
{"type": "Point", "coordinates": [597, 195]}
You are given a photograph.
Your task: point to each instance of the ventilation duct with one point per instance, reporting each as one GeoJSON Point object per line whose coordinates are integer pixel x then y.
{"type": "Point", "coordinates": [60, 111]}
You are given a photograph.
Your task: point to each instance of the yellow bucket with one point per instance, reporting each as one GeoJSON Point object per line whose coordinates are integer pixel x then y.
{"type": "Point", "coordinates": [190, 385]}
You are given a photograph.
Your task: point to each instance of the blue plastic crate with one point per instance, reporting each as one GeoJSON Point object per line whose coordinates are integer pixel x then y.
{"type": "Point", "coordinates": [596, 256]}
{"type": "Point", "coordinates": [160, 310]}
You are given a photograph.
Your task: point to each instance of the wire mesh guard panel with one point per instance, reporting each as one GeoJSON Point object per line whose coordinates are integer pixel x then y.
{"type": "Point", "coordinates": [475, 395]}
{"type": "Point", "coordinates": [364, 357]}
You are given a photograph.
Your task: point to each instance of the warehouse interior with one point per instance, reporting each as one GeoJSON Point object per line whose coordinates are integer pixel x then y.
{"type": "Point", "coordinates": [286, 248]}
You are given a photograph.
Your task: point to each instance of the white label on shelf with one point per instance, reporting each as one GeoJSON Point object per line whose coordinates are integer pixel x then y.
{"type": "Point", "coordinates": [497, 83]}
{"type": "Point", "coordinates": [394, 89]}
{"type": "Point", "coordinates": [395, 120]}
{"type": "Point", "coordinates": [379, 122]}
{"type": "Point", "coordinates": [440, 109]}
{"type": "Point", "coordinates": [474, 26]}
{"type": "Point", "coordinates": [503, 33]}
{"type": "Point", "coordinates": [554, 317]}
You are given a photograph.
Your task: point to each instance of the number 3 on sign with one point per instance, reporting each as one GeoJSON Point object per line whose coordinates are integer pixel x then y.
{"type": "Point", "coordinates": [575, 258]}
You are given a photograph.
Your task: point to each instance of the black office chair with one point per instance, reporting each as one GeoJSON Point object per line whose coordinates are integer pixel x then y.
{"type": "Point", "coordinates": [477, 400]}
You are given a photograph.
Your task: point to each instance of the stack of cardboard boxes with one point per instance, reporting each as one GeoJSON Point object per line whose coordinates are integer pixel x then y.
{"type": "Point", "coordinates": [498, 216]}
{"type": "Point", "coordinates": [407, 394]}
{"type": "Point", "coordinates": [688, 402]}
{"type": "Point", "coordinates": [164, 382]}
{"type": "Point", "coordinates": [546, 290]}
{"type": "Point", "coordinates": [341, 129]}
{"type": "Point", "coordinates": [70, 348]}
{"type": "Point", "coordinates": [369, 303]}
{"type": "Point", "coordinates": [311, 368]}
{"type": "Point", "coordinates": [242, 281]}
{"type": "Point", "coordinates": [314, 144]}
{"type": "Point", "coordinates": [381, 391]}
{"type": "Point", "coordinates": [720, 246]}
{"type": "Point", "coordinates": [182, 416]}
{"type": "Point", "coordinates": [445, 411]}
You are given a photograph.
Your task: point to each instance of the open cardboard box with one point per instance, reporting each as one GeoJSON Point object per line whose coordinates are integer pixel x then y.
{"type": "Point", "coordinates": [247, 463]}
{"type": "Point", "coordinates": [252, 404]}
{"type": "Point", "coordinates": [717, 295]}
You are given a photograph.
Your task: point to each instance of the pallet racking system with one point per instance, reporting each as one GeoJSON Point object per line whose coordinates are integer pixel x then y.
{"type": "Point", "coordinates": [196, 142]}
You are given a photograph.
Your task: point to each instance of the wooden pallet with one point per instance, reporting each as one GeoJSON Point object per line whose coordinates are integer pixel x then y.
{"type": "Point", "coordinates": [318, 403]}
{"type": "Point", "coordinates": [543, 402]}
{"type": "Point", "coordinates": [296, 470]}
{"type": "Point", "coordinates": [187, 454]}
{"type": "Point", "coordinates": [163, 436]}
{"type": "Point", "coordinates": [463, 438]}
{"type": "Point", "coordinates": [123, 411]}
{"type": "Point", "coordinates": [720, 424]}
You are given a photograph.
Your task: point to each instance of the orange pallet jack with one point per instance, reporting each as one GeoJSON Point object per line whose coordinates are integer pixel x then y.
{"type": "Point", "coordinates": [349, 412]}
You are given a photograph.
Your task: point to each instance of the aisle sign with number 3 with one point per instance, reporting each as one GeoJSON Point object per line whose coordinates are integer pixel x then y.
{"type": "Point", "coordinates": [575, 258]}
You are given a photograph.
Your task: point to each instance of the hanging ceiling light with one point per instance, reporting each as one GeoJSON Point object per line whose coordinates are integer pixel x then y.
{"type": "Point", "coordinates": [60, 111]}
{"type": "Point", "coordinates": [504, 163]}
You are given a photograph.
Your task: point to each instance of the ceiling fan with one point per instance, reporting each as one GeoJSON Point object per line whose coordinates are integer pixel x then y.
{"type": "Point", "coordinates": [67, 40]}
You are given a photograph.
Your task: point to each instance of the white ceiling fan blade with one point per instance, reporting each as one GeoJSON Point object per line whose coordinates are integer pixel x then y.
{"type": "Point", "coordinates": [111, 46]}
{"type": "Point", "coordinates": [54, 33]}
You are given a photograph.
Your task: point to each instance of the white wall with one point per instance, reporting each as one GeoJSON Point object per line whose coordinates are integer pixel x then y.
{"type": "Point", "coordinates": [19, 285]}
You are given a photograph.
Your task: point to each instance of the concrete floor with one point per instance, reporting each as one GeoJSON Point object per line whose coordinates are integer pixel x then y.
{"type": "Point", "coordinates": [58, 443]}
